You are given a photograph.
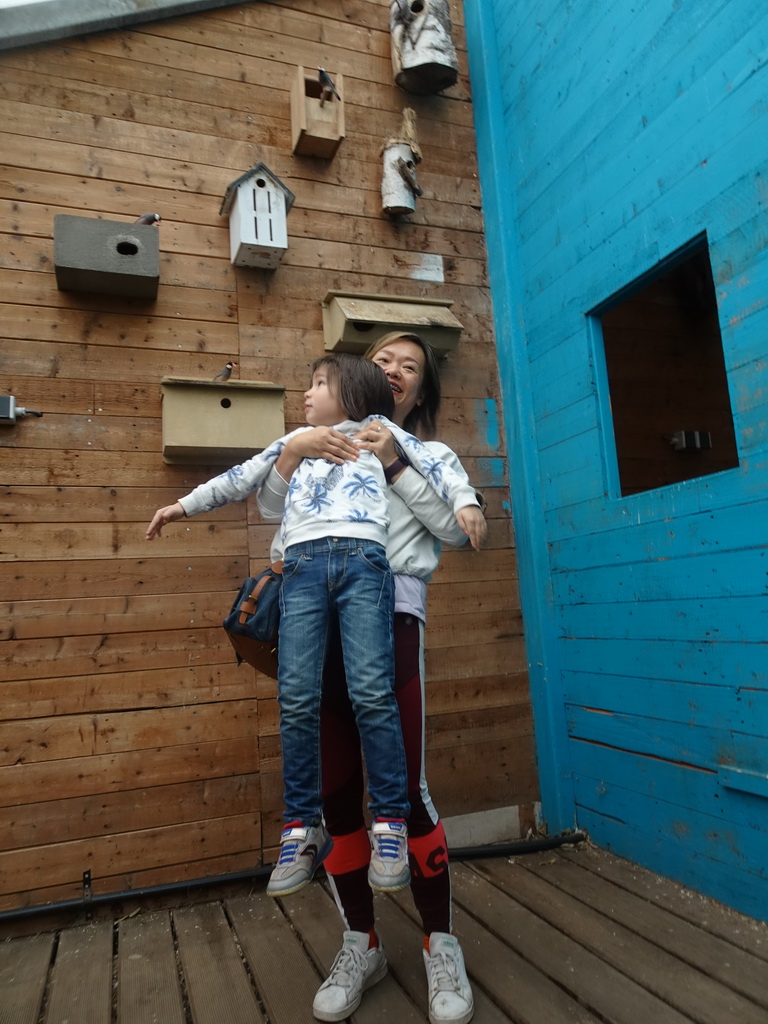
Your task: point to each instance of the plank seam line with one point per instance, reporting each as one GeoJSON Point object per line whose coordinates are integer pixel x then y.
{"type": "Point", "coordinates": [114, 994]}
{"type": "Point", "coordinates": [187, 1008]}
{"type": "Point", "coordinates": [48, 987]}
{"type": "Point", "coordinates": [244, 960]}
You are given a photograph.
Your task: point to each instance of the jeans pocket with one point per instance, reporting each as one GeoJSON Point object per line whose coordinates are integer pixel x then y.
{"type": "Point", "coordinates": [375, 557]}
{"type": "Point", "coordinates": [291, 566]}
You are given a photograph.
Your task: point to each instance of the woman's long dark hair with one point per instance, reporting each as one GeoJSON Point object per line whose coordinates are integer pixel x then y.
{"type": "Point", "coordinates": [361, 387]}
{"type": "Point", "coordinates": [422, 419]}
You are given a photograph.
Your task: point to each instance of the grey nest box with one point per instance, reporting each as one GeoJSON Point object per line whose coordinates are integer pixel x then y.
{"type": "Point", "coordinates": [258, 204]}
{"type": "Point", "coordinates": [106, 256]}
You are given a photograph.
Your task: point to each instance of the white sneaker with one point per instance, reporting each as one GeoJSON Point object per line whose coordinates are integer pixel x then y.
{"type": "Point", "coordinates": [355, 969]}
{"type": "Point", "coordinates": [450, 996]}
{"type": "Point", "coordinates": [302, 850]}
{"type": "Point", "coordinates": [388, 870]}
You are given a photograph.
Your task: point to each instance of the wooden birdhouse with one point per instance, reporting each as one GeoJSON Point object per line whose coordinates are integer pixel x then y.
{"type": "Point", "coordinates": [423, 54]}
{"type": "Point", "coordinates": [207, 423]}
{"type": "Point", "coordinates": [106, 256]}
{"type": "Point", "coordinates": [258, 204]}
{"type": "Point", "coordinates": [353, 321]}
{"type": "Point", "coordinates": [317, 114]}
{"type": "Point", "coordinates": [400, 155]}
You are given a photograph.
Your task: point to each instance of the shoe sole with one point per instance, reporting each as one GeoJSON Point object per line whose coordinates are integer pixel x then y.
{"type": "Point", "coordinates": [391, 887]}
{"type": "Point", "coordinates": [274, 893]}
{"type": "Point", "coordinates": [453, 1020]}
{"type": "Point", "coordinates": [378, 887]}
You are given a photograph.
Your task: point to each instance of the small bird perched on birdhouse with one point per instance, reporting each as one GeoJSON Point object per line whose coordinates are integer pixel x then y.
{"type": "Point", "coordinates": [148, 218]}
{"type": "Point", "coordinates": [328, 88]}
{"type": "Point", "coordinates": [225, 373]}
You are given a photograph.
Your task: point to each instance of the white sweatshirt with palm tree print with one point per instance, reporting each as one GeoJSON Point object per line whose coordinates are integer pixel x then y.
{"type": "Point", "coordinates": [325, 499]}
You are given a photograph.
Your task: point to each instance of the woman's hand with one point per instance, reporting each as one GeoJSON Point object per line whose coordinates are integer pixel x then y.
{"type": "Point", "coordinates": [323, 443]}
{"type": "Point", "coordinates": [162, 517]}
{"type": "Point", "coordinates": [378, 439]}
{"type": "Point", "coordinates": [472, 521]}
{"type": "Point", "coordinates": [317, 443]}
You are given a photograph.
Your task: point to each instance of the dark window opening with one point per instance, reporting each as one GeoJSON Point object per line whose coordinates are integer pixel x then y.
{"type": "Point", "coordinates": [670, 404]}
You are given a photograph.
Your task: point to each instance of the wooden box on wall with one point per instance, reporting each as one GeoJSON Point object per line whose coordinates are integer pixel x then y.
{"type": "Point", "coordinates": [352, 322]}
{"type": "Point", "coordinates": [317, 122]}
{"type": "Point", "coordinates": [106, 256]}
{"type": "Point", "coordinates": [206, 423]}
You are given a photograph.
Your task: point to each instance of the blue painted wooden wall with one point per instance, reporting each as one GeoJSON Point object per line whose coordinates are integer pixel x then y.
{"type": "Point", "coordinates": [610, 134]}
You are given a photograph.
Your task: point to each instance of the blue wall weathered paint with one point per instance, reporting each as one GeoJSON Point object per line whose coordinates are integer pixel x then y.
{"type": "Point", "coordinates": [609, 136]}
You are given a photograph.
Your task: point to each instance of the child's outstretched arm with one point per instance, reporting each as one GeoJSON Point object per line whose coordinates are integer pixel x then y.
{"type": "Point", "coordinates": [233, 485]}
{"type": "Point", "coordinates": [162, 517]}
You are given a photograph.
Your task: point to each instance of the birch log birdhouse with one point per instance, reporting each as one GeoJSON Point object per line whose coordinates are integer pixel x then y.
{"type": "Point", "coordinates": [423, 55]}
{"type": "Point", "coordinates": [401, 153]}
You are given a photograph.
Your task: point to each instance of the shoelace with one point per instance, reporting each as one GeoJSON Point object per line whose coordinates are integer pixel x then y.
{"type": "Point", "coordinates": [445, 974]}
{"type": "Point", "coordinates": [389, 846]}
{"type": "Point", "coordinates": [347, 965]}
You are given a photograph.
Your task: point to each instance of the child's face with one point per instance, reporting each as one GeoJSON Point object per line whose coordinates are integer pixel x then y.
{"type": "Point", "coordinates": [321, 406]}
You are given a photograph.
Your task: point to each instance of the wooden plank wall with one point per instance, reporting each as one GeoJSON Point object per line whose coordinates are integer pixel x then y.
{"type": "Point", "coordinates": [131, 744]}
{"type": "Point", "coordinates": [632, 130]}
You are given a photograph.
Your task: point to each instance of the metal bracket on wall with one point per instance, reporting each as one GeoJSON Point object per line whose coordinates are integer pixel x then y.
{"type": "Point", "coordinates": [87, 893]}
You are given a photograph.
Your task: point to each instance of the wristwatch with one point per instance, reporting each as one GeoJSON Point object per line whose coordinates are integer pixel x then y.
{"type": "Point", "coordinates": [394, 469]}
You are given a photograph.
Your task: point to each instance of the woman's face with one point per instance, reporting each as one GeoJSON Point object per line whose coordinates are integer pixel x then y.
{"type": "Point", "coordinates": [403, 362]}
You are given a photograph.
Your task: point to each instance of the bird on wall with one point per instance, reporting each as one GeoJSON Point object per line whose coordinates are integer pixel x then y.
{"type": "Point", "coordinates": [148, 218]}
{"type": "Point", "coordinates": [329, 89]}
{"type": "Point", "coordinates": [225, 373]}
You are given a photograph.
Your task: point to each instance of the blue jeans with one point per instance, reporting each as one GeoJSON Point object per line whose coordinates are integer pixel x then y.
{"type": "Point", "coordinates": [351, 580]}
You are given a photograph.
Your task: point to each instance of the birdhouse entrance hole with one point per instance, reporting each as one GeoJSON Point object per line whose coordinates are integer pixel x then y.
{"type": "Point", "coordinates": [666, 375]}
{"type": "Point", "coordinates": [225, 403]}
{"type": "Point", "coordinates": [127, 248]}
{"type": "Point", "coordinates": [313, 89]}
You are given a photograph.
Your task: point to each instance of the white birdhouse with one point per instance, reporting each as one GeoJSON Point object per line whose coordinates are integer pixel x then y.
{"type": "Point", "coordinates": [258, 204]}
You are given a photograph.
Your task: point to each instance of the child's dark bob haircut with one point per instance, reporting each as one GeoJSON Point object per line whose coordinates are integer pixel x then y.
{"type": "Point", "coordinates": [361, 386]}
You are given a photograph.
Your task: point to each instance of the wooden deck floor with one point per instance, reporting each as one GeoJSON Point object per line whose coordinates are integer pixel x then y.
{"type": "Point", "coordinates": [574, 935]}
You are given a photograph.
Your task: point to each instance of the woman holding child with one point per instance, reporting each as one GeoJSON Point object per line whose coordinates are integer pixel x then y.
{"type": "Point", "coordinates": [419, 519]}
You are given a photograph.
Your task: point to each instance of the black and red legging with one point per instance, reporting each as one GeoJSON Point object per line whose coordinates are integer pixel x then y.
{"type": "Point", "coordinates": [344, 787]}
